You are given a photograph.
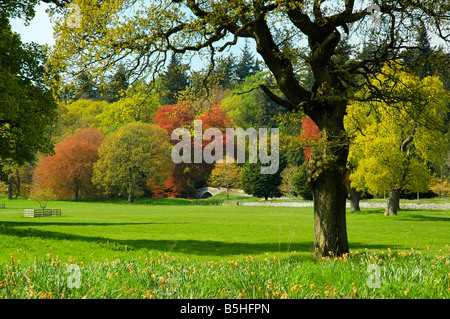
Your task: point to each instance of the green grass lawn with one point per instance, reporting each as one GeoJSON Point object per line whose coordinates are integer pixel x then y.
{"type": "Point", "coordinates": [203, 237]}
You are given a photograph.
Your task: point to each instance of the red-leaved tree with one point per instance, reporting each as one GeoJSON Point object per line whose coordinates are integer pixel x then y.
{"type": "Point", "coordinates": [68, 173]}
{"type": "Point", "coordinates": [174, 116]}
{"type": "Point", "coordinates": [309, 136]}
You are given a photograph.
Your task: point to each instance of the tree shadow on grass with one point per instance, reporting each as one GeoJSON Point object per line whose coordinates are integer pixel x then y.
{"type": "Point", "coordinates": [412, 214]}
{"type": "Point", "coordinates": [366, 211]}
{"type": "Point", "coordinates": [421, 217]}
{"type": "Point", "coordinates": [194, 247]}
{"type": "Point", "coordinates": [56, 223]}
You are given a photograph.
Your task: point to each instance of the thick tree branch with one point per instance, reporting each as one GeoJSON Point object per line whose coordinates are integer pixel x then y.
{"type": "Point", "coordinates": [278, 100]}
{"type": "Point", "coordinates": [279, 65]}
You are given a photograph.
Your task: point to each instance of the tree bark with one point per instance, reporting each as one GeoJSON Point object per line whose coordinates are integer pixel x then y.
{"type": "Point", "coordinates": [327, 175]}
{"type": "Point", "coordinates": [393, 202]}
{"type": "Point", "coordinates": [10, 186]}
{"type": "Point", "coordinates": [18, 183]}
{"type": "Point", "coordinates": [330, 230]}
{"type": "Point", "coordinates": [354, 197]}
{"type": "Point", "coordinates": [76, 192]}
{"type": "Point", "coordinates": [130, 193]}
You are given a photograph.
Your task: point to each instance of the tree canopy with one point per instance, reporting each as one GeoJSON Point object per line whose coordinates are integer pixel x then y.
{"type": "Point", "coordinates": [394, 145]}
{"type": "Point", "coordinates": [143, 33]}
{"type": "Point", "coordinates": [69, 172]}
{"type": "Point", "coordinates": [130, 156]}
{"type": "Point", "coordinates": [27, 107]}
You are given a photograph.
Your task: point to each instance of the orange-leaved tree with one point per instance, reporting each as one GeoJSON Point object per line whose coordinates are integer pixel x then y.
{"type": "Point", "coordinates": [68, 173]}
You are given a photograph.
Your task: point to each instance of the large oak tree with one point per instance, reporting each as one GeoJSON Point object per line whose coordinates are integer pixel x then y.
{"type": "Point", "coordinates": [145, 33]}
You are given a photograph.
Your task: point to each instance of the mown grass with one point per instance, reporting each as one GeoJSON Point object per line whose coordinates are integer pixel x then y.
{"type": "Point", "coordinates": [216, 252]}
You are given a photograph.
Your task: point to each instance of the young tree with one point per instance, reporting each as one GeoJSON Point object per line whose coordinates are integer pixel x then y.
{"type": "Point", "coordinates": [287, 186]}
{"type": "Point", "coordinates": [131, 156]}
{"type": "Point", "coordinates": [68, 173]}
{"type": "Point", "coordinates": [42, 196]}
{"type": "Point", "coordinates": [393, 145]}
{"type": "Point", "coordinates": [226, 174]}
{"type": "Point", "coordinates": [208, 28]}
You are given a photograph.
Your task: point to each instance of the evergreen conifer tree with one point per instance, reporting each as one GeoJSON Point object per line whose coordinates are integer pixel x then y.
{"type": "Point", "coordinates": [173, 81]}
{"type": "Point", "coordinates": [260, 185]}
{"type": "Point", "coordinates": [247, 66]}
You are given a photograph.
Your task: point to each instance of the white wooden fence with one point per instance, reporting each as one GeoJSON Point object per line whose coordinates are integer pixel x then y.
{"type": "Point", "coordinates": [42, 212]}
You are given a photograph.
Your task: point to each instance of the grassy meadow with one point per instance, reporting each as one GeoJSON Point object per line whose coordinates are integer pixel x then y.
{"type": "Point", "coordinates": [170, 248]}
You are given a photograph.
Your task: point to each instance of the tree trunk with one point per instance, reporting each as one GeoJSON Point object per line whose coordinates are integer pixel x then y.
{"type": "Point", "coordinates": [18, 183]}
{"type": "Point", "coordinates": [393, 202]}
{"type": "Point", "coordinates": [130, 193]}
{"type": "Point", "coordinates": [327, 175]}
{"type": "Point", "coordinates": [228, 189]}
{"type": "Point", "coordinates": [75, 193]}
{"type": "Point", "coordinates": [10, 186]}
{"type": "Point", "coordinates": [330, 229]}
{"type": "Point", "coordinates": [354, 196]}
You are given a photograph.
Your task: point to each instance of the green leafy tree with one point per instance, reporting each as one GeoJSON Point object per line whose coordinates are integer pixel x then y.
{"type": "Point", "coordinates": [130, 157]}
{"type": "Point", "coordinates": [138, 105]}
{"type": "Point", "coordinates": [25, 9]}
{"type": "Point", "coordinates": [393, 145]}
{"type": "Point", "coordinates": [27, 107]}
{"type": "Point", "coordinates": [78, 115]}
{"type": "Point", "coordinates": [144, 33]}
{"type": "Point", "coordinates": [249, 106]}
{"type": "Point", "coordinates": [226, 174]}
{"type": "Point", "coordinates": [287, 186]}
